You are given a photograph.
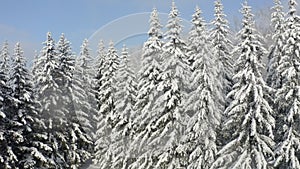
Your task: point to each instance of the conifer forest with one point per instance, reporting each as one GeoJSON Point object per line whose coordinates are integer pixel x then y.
{"type": "Point", "coordinates": [213, 100]}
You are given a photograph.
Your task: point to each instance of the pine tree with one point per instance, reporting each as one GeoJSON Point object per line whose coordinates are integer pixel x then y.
{"type": "Point", "coordinates": [83, 91]}
{"type": "Point", "coordinates": [49, 96]}
{"type": "Point", "coordinates": [23, 119]}
{"type": "Point", "coordinates": [196, 36]}
{"type": "Point", "coordinates": [79, 142]}
{"type": "Point", "coordinates": [81, 130]}
{"type": "Point", "coordinates": [287, 96]}
{"type": "Point", "coordinates": [273, 77]}
{"type": "Point", "coordinates": [107, 110]}
{"type": "Point", "coordinates": [125, 101]}
{"type": "Point", "coordinates": [39, 137]}
{"type": "Point", "coordinates": [34, 64]}
{"type": "Point", "coordinates": [161, 134]}
{"type": "Point", "coordinates": [148, 75]}
{"type": "Point", "coordinates": [199, 142]}
{"type": "Point", "coordinates": [8, 158]}
{"type": "Point", "coordinates": [3, 87]}
{"type": "Point", "coordinates": [5, 56]}
{"type": "Point", "coordinates": [222, 47]}
{"type": "Point", "coordinates": [249, 114]}
{"type": "Point", "coordinates": [100, 67]}
{"type": "Point", "coordinates": [147, 82]}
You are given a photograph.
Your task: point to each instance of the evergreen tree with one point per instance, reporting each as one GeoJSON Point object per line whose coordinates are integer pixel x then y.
{"type": "Point", "coordinates": [34, 64]}
{"type": "Point", "coordinates": [165, 127]}
{"type": "Point", "coordinates": [107, 110]}
{"type": "Point", "coordinates": [83, 91]}
{"type": "Point", "coordinates": [79, 142]}
{"type": "Point", "coordinates": [222, 47]}
{"type": "Point", "coordinates": [274, 79]}
{"type": "Point", "coordinates": [249, 114]}
{"type": "Point", "coordinates": [199, 142]}
{"type": "Point", "coordinates": [148, 75]}
{"type": "Point", "coordinates": [125, 101]}
{"type": "Point", "coordinates": [49, 96]}
{"type": "Point", "coordinates": [8, 157]}
{"type": "Point", "coordinates": [5, 56]}
{"type": "Point", "coordinates": [276, 50]}
{"type": "Point", "coordinates": [100, 66]}
{"type": "Point", "coordinates": [287, 97]}
{"type": "Point", "coordinates": [147, 83]}
{"type": "Point", "coordinates": [24, 119]}
{"type": "Point", "coordinates": [3, 87]}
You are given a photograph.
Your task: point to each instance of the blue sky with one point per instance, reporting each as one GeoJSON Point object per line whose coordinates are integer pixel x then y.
{"type": "Point", "coordinates": [28, 21]}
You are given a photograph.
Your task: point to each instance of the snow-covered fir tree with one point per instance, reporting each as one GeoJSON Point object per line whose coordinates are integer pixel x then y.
{"type": "Point", "coordinates": [288, 97]}
{"type": "Point", "coordinates": [249, 114]}
{"type": "Point", "coordinates": [66, 64]}
{"type": "Point", "coordinates": [125, 101]}
{"type": "Point", "coordinates": [148, 75]}
{"type": "Point", "coordinates": [79, 142]}
{"type": "Point", "coordinates": [83, 91]}
{"type": "Point", "coordinates": [3, 143]}
{"type": "Point", "coordinates": [8, 158]}
{"type": "Point", "coordinates": [100, 67]}
{"type": "Point", "coordinates": [222, 47]}
{"type": "Point", "coordinates": [49, 96]}
{"type": "Point", "coordinates": [160, 137]}
{"type": "Point", "coordinates": [273, 78]}
{"type": "Point", "coordinates": [107, 110]}
{"type": "Point", "coordinates": [4, 75]}
{"type": "Point", "coordinates": [23, 122]}
{"type": "Point", "coordinates": [34, 63]}
{"type": "Point", "coordinates": [147, 82]}
{"type": "Point", "coordinates": [199, 141]}
{"type": "Point", "coordinates": [276, 50]}
{"type": "Point", "coordinates": [5, 57]}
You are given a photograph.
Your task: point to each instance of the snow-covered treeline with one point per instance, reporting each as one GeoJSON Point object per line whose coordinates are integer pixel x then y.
{"type": "Point", "coordinates": [208, 102]}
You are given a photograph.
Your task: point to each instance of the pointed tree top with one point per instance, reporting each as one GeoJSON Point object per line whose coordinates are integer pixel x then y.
{"type": "Point", "coordinates": [49, 42]}
{"type": "Point", "coordinates": [62, 39]}
{"type": "Point", "coordinates": [111, 44]}
{"type": "Point", "coordinates": [154, 14]}
{"type": "Point", "coordinates": [124, 47]}
{"type": "Point", "coordinates": [18, 52]}
{"type": "Point", "coordinates": [18, 49]}
{"type": "Point", "coordinates": [173, 4]}
{"type": "Point", "coordinates": [49, 36]}
{"type": "Point", "coordinates": [247, 14]}
{"type": "Point", "coordinates": [218, 5]}
{"type": "Point", "coordinates": [5, 43]}
{"type": "Point", "coordinates": [84, 48]}
{"type": "Point", "coordinates": [197, 8]}
{"type": "Point", "coordinates": [101, 46]}
{"type": "Point", "coordinates": [5, 46]}
{"type": "Point", "coordinates": [292, 7]}
{"type": "Point", "coordinates": [124, 54]}
{"type": "Point", "coordinates": [18, 44]}
{"type": "Point", "coordinates": [277, 2]}
{"type": "Point", "coordinates": [197, 18]}
{"type": "Point", "coordinates": [155, 25]}
{"type": "Point", "coordinates": [85, 41]}
{"type": "Point", "coordinates": [174, 11]}
{"type": "Point", "coordinates": [198, 11]}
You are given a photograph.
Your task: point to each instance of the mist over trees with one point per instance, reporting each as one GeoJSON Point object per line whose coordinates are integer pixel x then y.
{"type": "Point", "coordinates": [221, 99]}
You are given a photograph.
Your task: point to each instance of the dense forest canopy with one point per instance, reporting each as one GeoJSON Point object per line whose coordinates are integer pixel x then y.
{"type": "Point", "coordinates": [217, 98]}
